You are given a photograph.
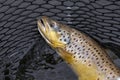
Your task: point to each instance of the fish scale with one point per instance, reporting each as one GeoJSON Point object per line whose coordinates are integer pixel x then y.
{"type": "Point", "coordinates": [85, 56]}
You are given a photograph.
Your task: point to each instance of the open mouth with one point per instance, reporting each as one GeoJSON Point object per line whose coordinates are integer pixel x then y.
{"type": "Point", "coordinates": [41, 25]}
{"type": "Point", "coordinates": [42, 29]}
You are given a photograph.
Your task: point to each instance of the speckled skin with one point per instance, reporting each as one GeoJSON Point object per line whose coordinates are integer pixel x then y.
{"type": "Point", "coordinates": [86, 57]}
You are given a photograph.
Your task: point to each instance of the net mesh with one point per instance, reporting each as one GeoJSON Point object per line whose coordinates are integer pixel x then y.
{"type": "Point", "coordinates": [22, 48]}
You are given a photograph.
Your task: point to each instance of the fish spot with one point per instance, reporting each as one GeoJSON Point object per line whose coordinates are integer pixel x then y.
{"type": "Point", "coordinates": [103, 59]}
{"type": "Point", "coordinates": [110, 72]}
{"type": "Point", "coordinates": [84, 60]}
{"type": "Point", "coordinates": [83, 57]}
{"type": "Point", "coordinates": [108, 77]}
{"type": "Point", "coordinates": [67, 33]}
{"type": "Point", "coordinates": [81, 42]}
{"type": "Point", "coordinates": [70, 46]}
{"type": "Point", "coordinates": [110, 64]}
{"type": "Point", "coordinates": [79, 36]}
{"type": "Point", "coordinates": [79, 56]}
{"type": "Point", "coordinates": [83, 49]}
{"type": "Point", "coordinates": [112, 68]}
{"type": "Point", "coordinates": [59, 30]}
{"type": "Point", "coordinates": [105, 69]}
{"type": "Point", "coordinates": [75, 60]}
{"type": "Point", "coordinates": [96, 58]}
{"type": "Point", "coordinates": [78, 48]}
{"type": "Point", "coordinates": [72, 35]}
{"type": "Point", "coordinates": [106, 61]}
{"type": "Point", "coordinates": [60, 39]}
{"type": "Point", "coordinates": [75, 33]}
{"type": "Point", "coordinates": [76, 40]}
{"type": "Point", "coordinates": [71, 50]}
{"type": "Point", "coordinates": [89, 65]}
{"type": "Point", "coordinates": [96, 50]}
{"type": "Point", "coordinates": [93, 54]}
{"type": "Point", "coordinates": [98, 78]}
{"type": "Point", "coordinates": [78, 53]}
{"type": "Point", "coordinates": [74, 56]}
{"type": "Point", "coordinates": [113, 76]}
{"type": "Point", "coordinates": [89, 44]}
{"type": "Point", "coordinates": [75, 45]}
{"type": "Point", "coordinates": [65, 40]}
{"type": "Point", "coordinates": [101, 55]}
{"type": "Point", "coordinates": [97, 62]}
{"type": "Point", "coordinates": [61, 34]}
{"type": "Point", "coordinates": [118, 72]}
{"type": "Point", "coordinates": [88, 48]}
{"type": "Point", "coordinates": [102, 69]}
{"type": "Point", "coordinates": [101, 66]}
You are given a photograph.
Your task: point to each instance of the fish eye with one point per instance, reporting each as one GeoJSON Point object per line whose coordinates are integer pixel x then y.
{"type": "Point", "coordinates": [54, 26]}
{"type": "Point", "coordinates": [59, 30]}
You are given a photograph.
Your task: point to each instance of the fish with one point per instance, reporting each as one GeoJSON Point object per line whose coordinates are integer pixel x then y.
{"type": "Point", "coordinates": [86, 57]}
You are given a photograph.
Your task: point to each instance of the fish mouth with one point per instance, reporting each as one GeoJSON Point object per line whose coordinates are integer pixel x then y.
{"type": "Point", "coordinates": [46, 29]}
{"type": "Point", "coordinates": [43, 27]}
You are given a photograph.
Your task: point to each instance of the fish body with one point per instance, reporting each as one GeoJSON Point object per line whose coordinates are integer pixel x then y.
{"type": "Point", "coordinates": [85, 56]}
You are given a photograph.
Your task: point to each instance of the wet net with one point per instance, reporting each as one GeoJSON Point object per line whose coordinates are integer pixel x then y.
{"type": "Point", "coordinates": [24, 55]}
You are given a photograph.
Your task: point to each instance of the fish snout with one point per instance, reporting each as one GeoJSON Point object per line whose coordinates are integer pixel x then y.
{"type": "Point", "coordinates": [40, 24]}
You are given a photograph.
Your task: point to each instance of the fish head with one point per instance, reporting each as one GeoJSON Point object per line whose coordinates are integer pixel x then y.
{"type": "Point", "coordinates": [56, 34]}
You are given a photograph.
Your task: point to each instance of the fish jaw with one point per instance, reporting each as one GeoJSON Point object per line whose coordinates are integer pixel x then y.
{"type": "Point", "coordinates": [43, 30]}
{"type": "Point", "coordinates": [48, 33]}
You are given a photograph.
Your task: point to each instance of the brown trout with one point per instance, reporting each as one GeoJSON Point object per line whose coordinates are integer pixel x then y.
{"type": "Point", "coordinates": [85, 56]}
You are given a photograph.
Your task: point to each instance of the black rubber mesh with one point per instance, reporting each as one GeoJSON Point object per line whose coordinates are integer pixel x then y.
{"type": "Point", "coordinates": [23, 53]}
